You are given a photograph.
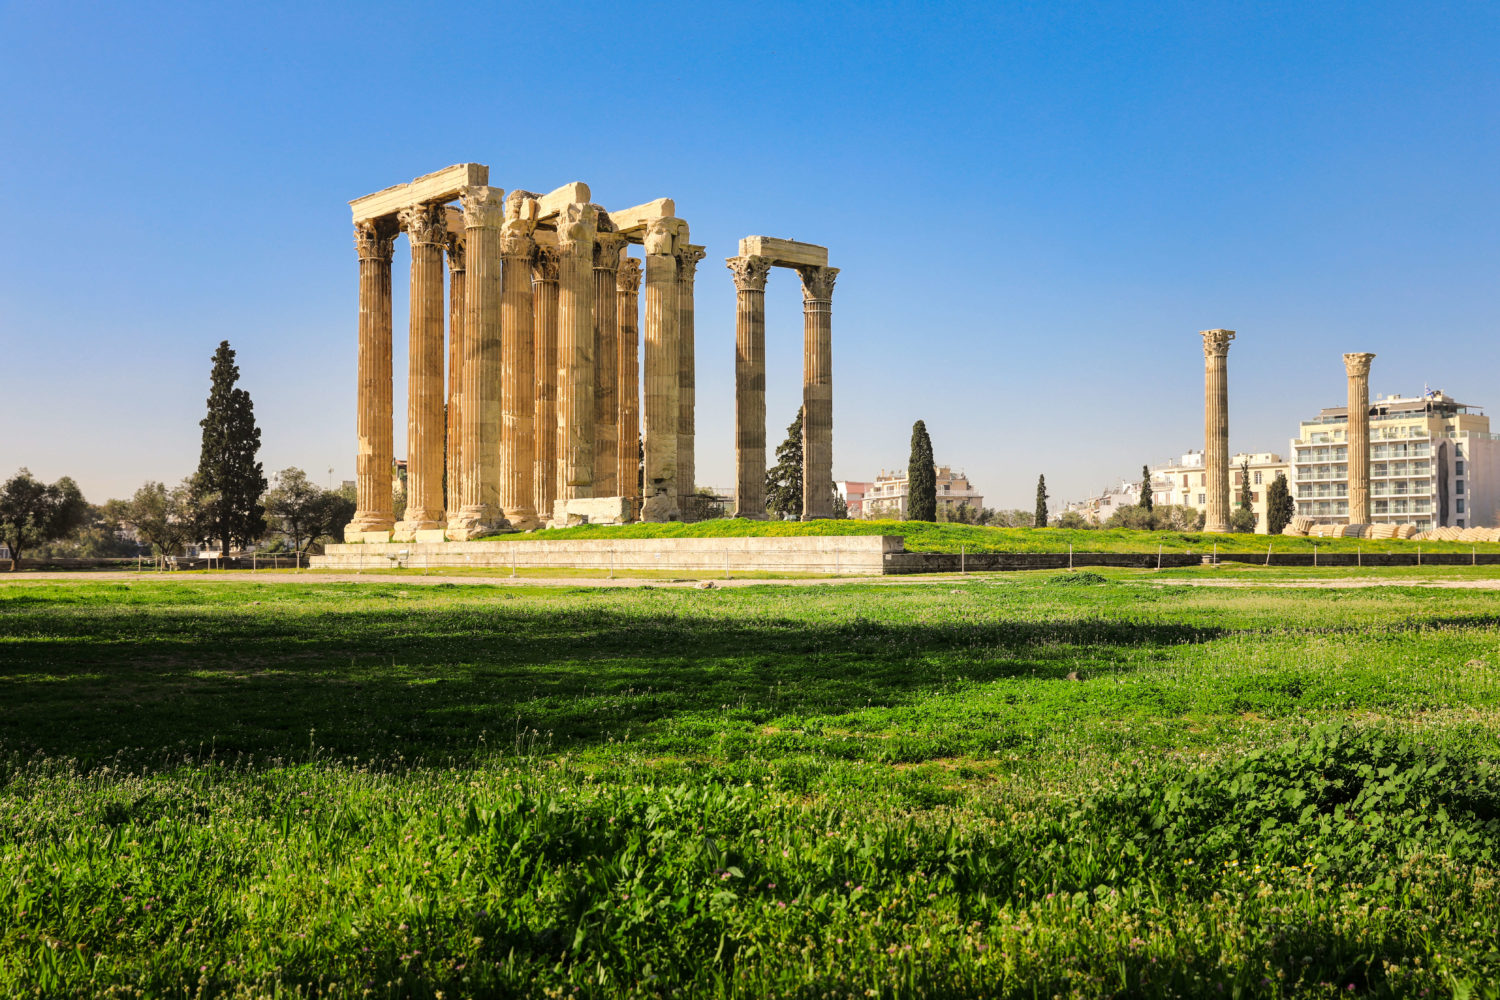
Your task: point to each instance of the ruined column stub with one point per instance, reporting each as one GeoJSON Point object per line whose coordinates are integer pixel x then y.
{"type": "Point", "coordinates": [1357, 368]}
{"type": "Point", "coordinates": [1216, 427]}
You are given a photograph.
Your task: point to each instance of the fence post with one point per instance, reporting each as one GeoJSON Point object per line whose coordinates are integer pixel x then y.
{"type": "Point", "coordinates": [1158, 555]}
{"type": "Point", "coordinates": [726, 562]}
{"type": "Point", "coordinates": [1473, 555]}
{"type": "Point", "coordinates": [962, 565]}
{"type": "Point", "coordinates": [1216, 553]}
{"type": "Point", "coordinates": [1315, 554]}
{"type": "Point", "coordinates": [1268, 553]}
{"type": "Point", "coordinates": [1359, 555]}
{"type": "Point", "coordinates": [1419, 555]}
{"type": "Point", "coordinates": [1070, 557]}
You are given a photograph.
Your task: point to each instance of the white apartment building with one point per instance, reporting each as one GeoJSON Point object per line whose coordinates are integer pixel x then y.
{"type": "Point", "coordinates": [887, 495]}
{"type": "Point", "coordinates": [1184, 482]}
{"type": "Point", "coordinates": [1433, 463]}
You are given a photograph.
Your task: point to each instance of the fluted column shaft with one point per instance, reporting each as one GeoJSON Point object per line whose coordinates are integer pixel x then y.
{"type": "Point", "coordinates": [517, 363]}
{"type": "Point", "coordinates": [606, 363]}
{"type": "Point", "coordinates": [480, 449]}
{"type": "Point", "coordinates": [662, 366]}
{"type": "Point", "coordinates": [455, 371]}
{"type": "Point", "coordinates": [817, 391]}
{"type": "Point", "coordinates": [1216, 427]}
{"type": "Point", "coordinates": [425, 231]}
{"type": "Point", "coordinates": [687, 269]}
{"type": "Point", "coordinates": [544, 270]}
{"type": "Point", "coordinates": [1357, 367]}
{"type": "Point", "coordinates": [627, 311]}
{"type": "Point", "coordinates": [376, 456]}
{"type": "Point", "coordinates": [750, 384]}
{"type": "Point", "coordinates": [575, 351]}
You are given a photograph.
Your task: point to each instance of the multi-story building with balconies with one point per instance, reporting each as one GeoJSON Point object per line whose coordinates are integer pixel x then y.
{"type": "Point", "coordinates": [886, 497]}
{"type": "Point", "coordinates": [1433, 462]}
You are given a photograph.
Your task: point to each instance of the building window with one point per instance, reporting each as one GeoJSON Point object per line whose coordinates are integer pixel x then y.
{"type": "Point", "coordinates": [1202, 479]}
{"type": "Point", "coordinates": [1458, 468]}
{"type": "Point", "coordinates": [1254, 497]}
{"type": "Point", "coordinates": [1257, 479]}
{"type": "Point", "coordinates": [1459, 509]}
{"type": "Point", "coordinates": [1202, 499]}
{"type": "Point", "coordinates": [1458, 486]}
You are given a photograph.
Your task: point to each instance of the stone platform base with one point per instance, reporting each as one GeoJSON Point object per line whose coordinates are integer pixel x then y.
{"type": "Point", "coordinates": [845, 555]}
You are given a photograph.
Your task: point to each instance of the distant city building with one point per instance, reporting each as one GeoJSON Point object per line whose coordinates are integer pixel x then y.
{"type": "Point", "coordinates": [1186, 482]}
{"type": "Point", "coordinates": [1433, 463]}
{"type": "Point", "coordinates": [887, 495]}
{"type": "Point", "coordinates": [1103, 505]}
{"type": "Point", "coordinates": [853, 495]}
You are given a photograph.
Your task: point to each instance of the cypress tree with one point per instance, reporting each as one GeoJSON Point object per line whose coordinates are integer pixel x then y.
{"type": "Point", "coordinates": [1279, 505]}
{"type": "Point", "coordinates": [1041, 502]}
{"type": "Point", "coordinates": [229, 481]}
{"type": "Point", "coordinates": [784, 479]}
{"type": "Point", "coordinates": [1245, 484]}
{"type": "Point", "coordinates": [921, 477]}
{"type": "Point", "coordinates": [1146, 502]}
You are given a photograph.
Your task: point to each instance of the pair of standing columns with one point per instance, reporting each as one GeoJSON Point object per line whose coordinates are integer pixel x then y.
{"type": "Point", "coordinates": [750, 274]}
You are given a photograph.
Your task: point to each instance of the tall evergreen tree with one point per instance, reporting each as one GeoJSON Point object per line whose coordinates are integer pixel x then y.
{"type": "Point", "coordinates": [229, 481]}
{"type": "Point", "coordinates": [1245, 503]}
{"type": "Point", "coordinates": [921, 477]}
{"type": "Point", "coordinates": [1146, 502]}
{"type": "Point", "coordinates": [784, 479]}
{"type": "Point", "coordinates": [1279, 505]}
{"type": "Point", "coordinates": [1040, 519]}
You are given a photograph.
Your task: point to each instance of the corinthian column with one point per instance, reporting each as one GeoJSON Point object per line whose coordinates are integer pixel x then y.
{"type": "Point", "coordinates": [1357, 367]}
{"type": "Point", "coordinates": [750, 384]}
{"type": "Point", "coordinates": [607, 247]}
{"type": "Point", "coordinates": [479, 512]}
{"type": "Point", "coordinates": [455, 368]}
{"type": "Point", "coordinates": [425, 231]}
{"type": "Point", "coordinates": [662, 365]}
{"type": "Point", "coordinates": [627, 311]}
{"type": "Point", "coordinates": [544, 313]}
{"type": "Point", "coordinates": [687, 268]}
{"type": "Point", "coordinates": [374, 240]}
{"type": "Point", "coordinates": [1216, 426]}
{"type": "Point", "coordinates": [817, 391]}
{"type": "Point", "coordinates": [575, 350]}
{"type": "Point", "coordinates": [517, 363]}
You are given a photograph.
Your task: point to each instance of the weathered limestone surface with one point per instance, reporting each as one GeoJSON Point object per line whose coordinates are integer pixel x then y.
{"type": "Point", "coordinates": [592, 510]}
{"type": "Point", "coordinates": [517, 361]}
{"type": "Point", "coordinates": [455, 367]}
{"type": "Point", "coordinates": [634, 220]}
{"type": "Point", "coordinates": [750, 384]}
{"type": "Point", "coordinates": [374, 242]}
{"type": "Point", "coordinates": [607, 247]}
{"type": "Point", "coordinates": [575, 351]}
{"type": "Point", "coordinates": [435, 188]}
{"type": "Point", "coordinates": [1357, 368]}
{"type": "Point", "coordinates": [817, 391]}
{"type": "Point", "coordinates": [784, 253]}
{"type": "Point", "coordinates": [687, 268]}
{"type": "Point", "coordinates": [662, 364]}
{"type": "Point", "coordinates": [627, 310]}
{"type": "Point", "coordinates": [479, 512]}
{"type": "Point", "coordinates": [544, 274]}
{"type": "Point", "coordinates": [1216, 426]}
{"type": "Point", "coordinates": [426, 230]}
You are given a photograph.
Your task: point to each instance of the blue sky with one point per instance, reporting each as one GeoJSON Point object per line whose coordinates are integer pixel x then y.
{"type": "Point", "coordinates": [1035, 208]}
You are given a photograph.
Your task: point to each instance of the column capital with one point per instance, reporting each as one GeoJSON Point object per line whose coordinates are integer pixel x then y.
{"type": "Point", "coordinates": [484, 207]}
{"type": "Point", "coordinates": [628, 279]}
{"type": "Point", "coordinates": [607, 247]}
{"type": "Point", "coordinates": [374, 240]}
{"type": "Point", "coordinates": [688, 256]}
{"type": "Point", "coordinates": [1216, 342]}
{"type": "Point", "coordinates": [1357, 364]}
{"type": "Point", "coordinates": [576, 225]}
{"type": "Point", "coordinates": [423, 224]}
{"type": "Point", "coordinates": [662, 235]}
{"type": "Point", "coordinates": [817, 283]}
{"type": "Point", "coordinates": [749, 272]}
{"type": "Point", "coordinates": [455, 243]}
{"type": "Point", "coordinates": [544, 263]}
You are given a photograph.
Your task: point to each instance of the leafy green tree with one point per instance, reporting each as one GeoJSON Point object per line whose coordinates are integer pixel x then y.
{"type": "Point", "coordinates": [840, 506]}
{"type": "Point", "coordinates": [784, 479]}
{"type": "Point", "coordinates": [303, 511]}
{"type": "Point", "coordinates": [964, 514]}
{"type": "Point", "coordinates": [1146, 501]}
{"type": "Point", "coordinates": [230, 481]}
{"type": "Point", "coordinates": [921, 477]}
{"type": "Point", "coordinates": [1242, 520]}
{"type": "Point", "coordinates": [1245, 502]}
{"type": "Point", "coordinates": [1279, 505]}
{"type": "Point", "coordinates": [33, 513]}
{"type": "Point", "coordinates": [164, 518]}
{"type": "Point", "coordinates": [1073, 519]}
{"type": "Point", "coordinates": [1040, 520]}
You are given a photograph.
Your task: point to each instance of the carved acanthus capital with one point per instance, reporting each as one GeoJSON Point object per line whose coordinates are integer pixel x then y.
{"type": "Point", "coordinates": [688, 256]}
{"type": "Point", "coordinates": [1216, 342]}
{"type": "Point", "coordinates": [607, 247]}
{"type": "Point", "coordinates": [484, 207]}
{"type": "Point", "coordinates": [545, 264]}
{"type": "Point", "coordinates": [662, 235]}
{"type": "Point", "coordinates": [521, 210]}
{"type": "Point", "coordinates": [374, 240]}
{"type": "Point", "coordinates": [1357, 364]}
{"type": "Point", "coordinates": [629, 277]}
{"type": "Point", "coordinates": [749, 272]}
{"type": "Point", "coordinates": [455, 250]}
{"type": "Point", "coordinates": [576, 223]}
{"type": "Point", "coordinates": [817, 283]}
{"type": "Point", "coordinates": [423, 223]}
{"type": "Point", "coordinates": [516, 245]}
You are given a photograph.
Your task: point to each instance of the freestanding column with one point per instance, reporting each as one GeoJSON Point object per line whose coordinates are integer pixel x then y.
{"type": "Point", "coordinates": [687, 268]}
{"type": "Point", "coordinates": [1216, 426]}
{"type": "Point", "coordinates": [1357, 367]}
{"type": "Point", "coordinates": [455, 368]}
{"type": "Point", "coordinates": [662, 364]}
{"type": "Point", "coordinates": [425, 231]}
{"type": "Point", "coordinates": [374, 240]}
{"type": "Point", "coordinates": [544, 312]}
{"type": "Point", "coordinates": [479, 486]}
{"type": "Point", "coordinates": [750, 384]}
{"type": "Point", "coordinates": [627, 311]}
{"type": "Point", "coordinates": [517, 363]}
{"type": "Point", "coordinates": [817, 391]}
{"type": "Point", "coordinates": [575, 351]}
{"type": "Point", "coordinates": [607, 247]}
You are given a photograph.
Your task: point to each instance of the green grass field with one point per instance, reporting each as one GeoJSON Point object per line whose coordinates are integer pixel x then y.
{"type": "Point", "coordinates": [1024, 785]}
{"type": "Point", "coordinates": [922, 536]}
